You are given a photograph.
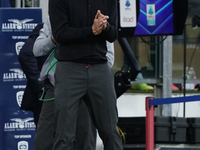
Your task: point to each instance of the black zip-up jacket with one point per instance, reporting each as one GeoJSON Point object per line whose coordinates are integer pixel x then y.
{"type": "Point", "coordinates": [31, 67]}
{"type": "Point", "coordinates": [71, 22]}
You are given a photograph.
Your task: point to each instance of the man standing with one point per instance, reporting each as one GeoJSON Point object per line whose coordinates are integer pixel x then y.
{"type": "Point", "coordinates": [86, 132]}
{"type": "Point", "coordinates": [81, 29]}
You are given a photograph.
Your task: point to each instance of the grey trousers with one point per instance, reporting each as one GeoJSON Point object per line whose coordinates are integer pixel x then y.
{"type": "Point", "coordinates": [73, 81]}
{"type": "Point", "coordinates": [86, 131]}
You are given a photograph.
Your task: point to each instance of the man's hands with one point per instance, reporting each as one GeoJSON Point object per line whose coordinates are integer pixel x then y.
{"type": "Point", "coordinates": [100, 23]}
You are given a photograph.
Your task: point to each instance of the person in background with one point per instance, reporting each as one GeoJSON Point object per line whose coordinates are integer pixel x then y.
{"type": "Point", "coordinates": [81, 30]}
{"type": "Point", "coordinates": [31, 67]}
{"type": "Point", "coordinates": [86, 131]}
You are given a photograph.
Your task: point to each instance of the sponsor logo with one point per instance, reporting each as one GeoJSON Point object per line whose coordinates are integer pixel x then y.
{"type": "Point", "coordinates": [127, 4]}
{"type": "Point", "coordinates": [22, 145]}
{"type": "Point", "coordinates": [19, 96]}
{"type": "Point", "coordinates": [151, 11]}
{"type": "Point", "coordinates": [22, 136]}
{"type": "Point", "coordinates": [18, 47]}
{"type": "Point", "coordinates": [16, 25]}
{"type": "Point", "coordinates": [128, 13]}
{"type": "Point", "coordinates": [15, 74]}
{"type": "Point", "coordinates": [127, 19]}
{"type": "Point", "coordinates": [19, 37]}
{"type": "Point", "coordinates": [19, 86]}
{"type": "Point", "coordinates": [19, 124]}
{"type": "Point", "coordinates": [151, 17]}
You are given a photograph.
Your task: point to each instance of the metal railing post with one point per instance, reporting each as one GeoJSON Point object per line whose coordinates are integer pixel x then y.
{"type": "Point", "coordinates": [149, 125]}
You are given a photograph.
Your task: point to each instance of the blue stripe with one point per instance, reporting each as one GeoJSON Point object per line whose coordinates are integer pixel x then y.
{"type": "Point", "coordinates": [163, 7]}
{"type": "Point", "coordinates": [174, 100]}
{"type": "Point", "coordinates": [163, 23]}
{"type": "Point", "coordinates": [143, 2]}
{"type": "Point", "coordinates": [143, 12]}
{"type": "Point", "coordinates": [144, 28]}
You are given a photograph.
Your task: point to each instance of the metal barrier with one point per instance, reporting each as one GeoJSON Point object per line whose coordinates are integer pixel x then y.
{"type": "Point", "coordinates": [150, 103]}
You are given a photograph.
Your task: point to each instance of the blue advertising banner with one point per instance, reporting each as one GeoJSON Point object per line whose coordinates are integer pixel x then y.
{"type": "Point", "coordinates": [17, 128]}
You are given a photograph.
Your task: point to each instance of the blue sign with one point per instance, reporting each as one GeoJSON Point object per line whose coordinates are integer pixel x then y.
{"type": "Point", "coordinates": [156, 17]}
{"type": "Point", "coordinates": [17, 128]}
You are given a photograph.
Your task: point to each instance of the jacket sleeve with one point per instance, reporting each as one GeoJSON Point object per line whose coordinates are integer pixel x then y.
{"type": "Point", "coordinates": [29, 64]}
{"type": "Point", "coordinates": [110, 53]}
{"type": "Point", "coordinates": [43, 44]}
{"type": "Point", "coordinates": [111, 33]}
